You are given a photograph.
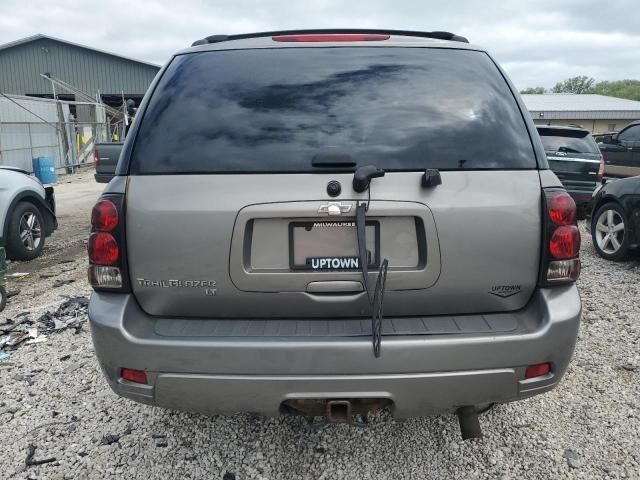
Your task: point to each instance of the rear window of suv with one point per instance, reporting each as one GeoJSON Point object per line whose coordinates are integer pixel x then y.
{"type": "Point", "coordinates": [272, 110]}
{"type": "Point", "coordinates": [568, 141]}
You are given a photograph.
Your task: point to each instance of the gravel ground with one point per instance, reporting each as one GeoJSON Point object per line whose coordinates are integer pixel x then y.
{"type": "Point", "coordinates": [53, 398]}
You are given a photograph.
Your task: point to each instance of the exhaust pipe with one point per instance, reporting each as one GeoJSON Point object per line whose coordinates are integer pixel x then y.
{"type": "Point", "coordinates": [469, 423]}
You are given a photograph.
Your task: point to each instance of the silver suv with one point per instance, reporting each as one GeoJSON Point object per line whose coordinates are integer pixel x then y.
{"type": "Point", "coordinates": [333, 222]}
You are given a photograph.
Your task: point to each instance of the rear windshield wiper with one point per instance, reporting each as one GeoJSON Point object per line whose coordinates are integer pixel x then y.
{"type": "Point", "coordinates": [361, 182]}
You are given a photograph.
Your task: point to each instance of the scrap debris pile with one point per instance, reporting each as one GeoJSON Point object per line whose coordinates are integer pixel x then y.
{"type": "Point", "coordinates": [25, 329]}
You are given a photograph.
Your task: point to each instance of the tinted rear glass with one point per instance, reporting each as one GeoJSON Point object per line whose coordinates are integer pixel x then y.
{"type": "Point", "coordinates": [272, 110]}
{"type": "Point", "coordinates": [568, 141]}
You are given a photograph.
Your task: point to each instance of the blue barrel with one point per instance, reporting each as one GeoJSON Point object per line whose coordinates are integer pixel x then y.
{"type": "Point", "coordinates": [44, 168]}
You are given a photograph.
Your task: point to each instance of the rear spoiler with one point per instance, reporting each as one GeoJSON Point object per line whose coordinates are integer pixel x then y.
{"type": "Point", "coordinates": [406, 33]}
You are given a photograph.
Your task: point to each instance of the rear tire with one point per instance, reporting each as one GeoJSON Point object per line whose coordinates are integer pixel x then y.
{"type": "Point", "coordinates": [608, 232]}
{"type": "Point", "coordinates": [26, 232]}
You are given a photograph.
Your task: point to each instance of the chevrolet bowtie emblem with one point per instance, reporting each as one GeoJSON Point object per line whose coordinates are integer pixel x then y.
{"type": "Point", "coordinates": [334, 208]}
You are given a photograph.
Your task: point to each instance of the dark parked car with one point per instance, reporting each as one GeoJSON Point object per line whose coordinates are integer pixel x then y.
{"type": "Point", "coordinates": [574, 157]}
{"type": "Point", "coordinates": [622, 152]}
{"type": "Point", "coordinates": [106, 158]}
{"type": "Point", "coordinates": [615, 223]}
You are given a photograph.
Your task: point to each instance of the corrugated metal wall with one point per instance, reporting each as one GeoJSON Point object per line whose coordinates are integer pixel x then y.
{"type": "Point", "coordinates": [24, 136]}
{"type": "Point", "coordinates": [88, 70]}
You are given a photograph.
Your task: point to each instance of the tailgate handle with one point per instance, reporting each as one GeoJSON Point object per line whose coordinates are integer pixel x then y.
{"type": "Point", "coordinates": [335, 286]}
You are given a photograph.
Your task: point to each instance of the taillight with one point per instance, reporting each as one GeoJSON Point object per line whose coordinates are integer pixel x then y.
{"type": "Point", "coordinates": [537, 370]}
{"type": "Point", "coordinates": [104, 216]}
{"type": "Point", "coordinates": [135, 376]}
{"type": "Point", "coordinates": [332, 37]}
{"type": "Point", "coordinates": [561, 209]}
{"type": "Point", "coordinates": [562, 271]}
{"type": "Point", "coordinates": [560, 263]}
{"type": "Point", "coordinates": [103, 277]}
{"type": "Point", "coordinates": [103, 249]}
{"type": "Point", "coordinates": [96, 157]}
{"type": "Point", "coordinates": [601, 169]}
{"type": "Point", "coordinates": [106, 246]}
{"type": "Point", "coordinates": [565, 242]}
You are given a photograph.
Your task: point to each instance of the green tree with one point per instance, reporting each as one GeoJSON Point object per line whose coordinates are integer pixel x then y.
{"type": "Point", "coordinates": [629, 89]}
{"type": "Point", "coordinates": [581, 84]}
{"type": "Point", "coordinates": [533, 90]}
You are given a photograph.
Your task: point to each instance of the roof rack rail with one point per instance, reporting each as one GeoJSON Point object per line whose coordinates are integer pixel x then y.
{"type": "Point", "coordinates": [407, 33]}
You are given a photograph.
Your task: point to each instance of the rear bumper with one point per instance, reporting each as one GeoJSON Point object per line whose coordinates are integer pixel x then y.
{"type": "Point", "coordinates": [422, 374]}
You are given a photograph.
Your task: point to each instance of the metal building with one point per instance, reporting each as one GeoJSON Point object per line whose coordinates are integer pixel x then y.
{"type": "Point", "coordinates": [23, 62]}
{"type": "Point", "coordinates": [598, 113]}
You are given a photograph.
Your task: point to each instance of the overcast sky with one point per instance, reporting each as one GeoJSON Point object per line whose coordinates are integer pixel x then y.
{"type": "Point", "coordinates": [537, 42]}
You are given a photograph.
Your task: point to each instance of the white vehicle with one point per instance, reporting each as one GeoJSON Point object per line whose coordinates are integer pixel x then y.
{"type": "Point", "coordinates": [27, 213]}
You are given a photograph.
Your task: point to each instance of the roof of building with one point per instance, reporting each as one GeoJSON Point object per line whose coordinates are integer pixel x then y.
{"type": "Point", "coordinates": [40, 36]}
{"type": "Point", "coordinates": [569, 105]}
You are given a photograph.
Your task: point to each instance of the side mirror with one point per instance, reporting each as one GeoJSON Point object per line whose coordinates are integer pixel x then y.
{"type": "Point", "coordinates": [609, 139]}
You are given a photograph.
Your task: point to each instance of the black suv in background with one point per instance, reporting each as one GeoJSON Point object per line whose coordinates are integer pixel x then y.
{"type": "Point", "coordinates": [574, 157]}
{"type": "Point", "coordinates": [622, 152]}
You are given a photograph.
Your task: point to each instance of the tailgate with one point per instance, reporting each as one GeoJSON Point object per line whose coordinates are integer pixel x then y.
{"type": "Point", "coordinates": [229, 246]}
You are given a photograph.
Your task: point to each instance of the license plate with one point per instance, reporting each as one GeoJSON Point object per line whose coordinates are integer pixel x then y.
{"type": "Point", "coordinates": [331, 245]}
